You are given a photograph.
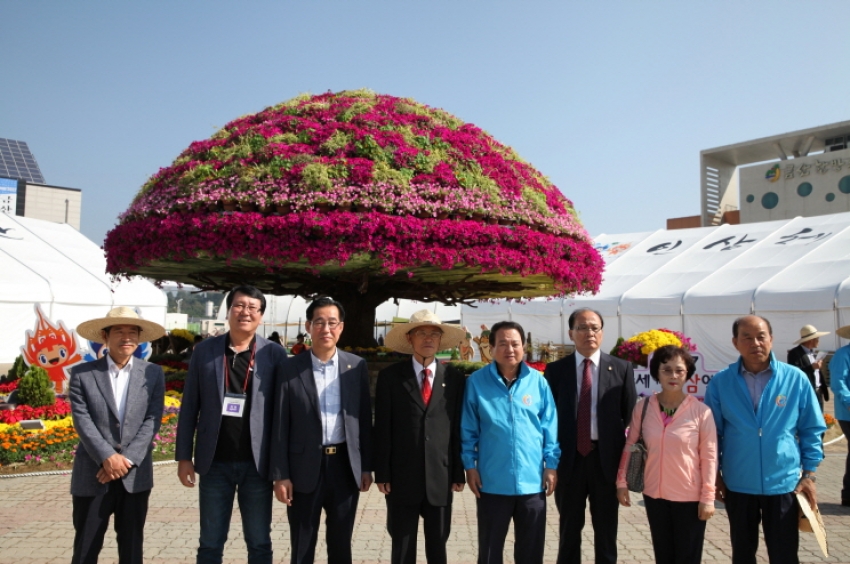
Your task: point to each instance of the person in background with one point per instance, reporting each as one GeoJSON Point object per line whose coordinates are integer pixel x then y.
{"type": "Point", "coordinates": [681, 462]}
{"type": "Point", "coordinates": [839, 370]}
{"type": "Point", "coordinates": [275, 338]}
{"type": "Point", "coordinates": [116, 402]}
{"type": "Point", "coordinates": [768, 429]}
{"type": "Point", "coordinates": [224, 429]}
{"type": "Point", "coordinates": [509, 448]}
{"type": "Point", "coordinates": [804, 357]}
{"type": "Point", "coordinates": [417, 437]}
{"type": "Point", "coordinates": [299, 346]}
{"type": "Point", "coordinates": [595, 394]}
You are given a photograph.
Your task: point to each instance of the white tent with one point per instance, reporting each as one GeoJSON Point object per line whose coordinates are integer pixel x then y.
{"type": "Point", "coordinates": [793, 272]}
{"type": "Point", "coordinates": [56, 266]}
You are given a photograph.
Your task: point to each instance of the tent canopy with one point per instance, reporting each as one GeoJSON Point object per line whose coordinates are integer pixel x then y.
{"type": "Point", "coordinates": [54, 265]}
{"type": "Point", "coordinates": [793, 272]}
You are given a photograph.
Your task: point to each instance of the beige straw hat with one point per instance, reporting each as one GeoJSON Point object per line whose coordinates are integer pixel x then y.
{"type": "Point", "coordinates": [396, 339]}
{"type": "Point", "coordinates": [809, 332]}
{"type": "Point", "coordinates": [843, 332]}
{"type": "Point", "coordinates": [123, 315]}
{"type": "Point", "coordinates": [810, 521]}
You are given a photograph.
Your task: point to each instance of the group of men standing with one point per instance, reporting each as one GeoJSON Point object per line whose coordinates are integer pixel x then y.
{"type": "Point", "coordinates": [256, 425]}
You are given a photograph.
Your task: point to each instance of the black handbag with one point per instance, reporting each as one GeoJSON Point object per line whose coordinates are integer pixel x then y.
{"type": "Point", "coordinates": [637, 458]}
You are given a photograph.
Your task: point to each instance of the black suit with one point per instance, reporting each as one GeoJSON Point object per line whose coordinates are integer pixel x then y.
{"type": "Point", "coordinates": [417, 452]}
{"type": "Point", "coordinates": [594, 475]}
{"type": "Point", "coordinates": [321, 480]}
{"type": "Point", "coordinates": [799, 358]}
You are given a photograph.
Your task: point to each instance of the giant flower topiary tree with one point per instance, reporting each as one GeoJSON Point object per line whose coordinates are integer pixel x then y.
{"type": "Point", "coordinates": [360, 196]}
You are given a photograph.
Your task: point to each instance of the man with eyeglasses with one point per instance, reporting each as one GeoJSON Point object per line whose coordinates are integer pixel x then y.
{"type": "Point", "coordinates": [321, 456]}
{"type": "Point", "coordinates": [227, 403]}
{"type": "Point", "coordinates": [417, 441]}
{"type": "Point", "coordinates": [595, 394]}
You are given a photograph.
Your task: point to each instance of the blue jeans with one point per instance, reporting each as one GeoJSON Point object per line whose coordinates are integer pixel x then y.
{"type": "Point", "coordinates": [217, 488]}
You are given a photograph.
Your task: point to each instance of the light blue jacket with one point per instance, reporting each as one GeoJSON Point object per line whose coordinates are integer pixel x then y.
{"type": "Point", "coordinates": [762, 452]}
{"type": "Point", "coordinates": [839, 381]}
{"type": "Point", "coordinates": [508, 434]}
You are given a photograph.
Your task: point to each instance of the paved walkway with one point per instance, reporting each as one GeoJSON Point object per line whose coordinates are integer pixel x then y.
{"type": "Point", "coordinates": [35, 525]}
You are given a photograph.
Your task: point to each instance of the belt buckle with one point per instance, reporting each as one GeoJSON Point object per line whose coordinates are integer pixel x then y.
{"type": "Point", "coordinates": [330, 450]}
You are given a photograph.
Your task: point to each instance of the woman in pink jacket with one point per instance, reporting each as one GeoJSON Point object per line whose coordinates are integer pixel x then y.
{"type": "Point", "coordinates": [681, 462]}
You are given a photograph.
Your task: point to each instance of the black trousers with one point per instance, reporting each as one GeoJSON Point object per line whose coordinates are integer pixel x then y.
{"type": "Point", "coordinates": [575, 486]}
{"type": "Point", "coordinates": [845, 486]}
{"type": "Point", "coordinates": [677, 531]}
{"type": "Point", "coordinates": [494, 517]}
{"type": "Point", "coordinates": [403, 527]}
{"type": "Point", "coordinates": [91, 519]}
{"type": "Point", "coordinates": [779, 517]}
{"type": "Point", "coordinates": [337, 493]}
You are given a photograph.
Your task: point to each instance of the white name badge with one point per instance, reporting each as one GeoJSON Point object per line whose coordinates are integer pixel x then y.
{"type": "Point", "coordinates": [234, 405]}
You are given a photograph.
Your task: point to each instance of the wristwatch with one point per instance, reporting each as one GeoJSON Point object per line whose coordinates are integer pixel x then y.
{"type": "Point", "coordinates": [809, 475]}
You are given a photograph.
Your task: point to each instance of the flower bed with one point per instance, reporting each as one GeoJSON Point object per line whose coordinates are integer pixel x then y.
{"type": "Point", "coordinates": [58, 410]}
{"type": "Point", "coordinates": [637, 348]}
{"type": "Point", "coordinates": [31, 450]}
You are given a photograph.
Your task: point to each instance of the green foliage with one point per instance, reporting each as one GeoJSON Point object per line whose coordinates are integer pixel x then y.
{"type": "Point", "coordinates": [620, 341]}
{"type": "Point", "coordinates": [316, 177]}
{"type": "Point", "coordinates": [455, 354]}
{"type": "Point", "coordinates": [35, 388]}
{"type": "Point", "coordinates": [193, 304]}
{"type": "Point", "coordinates": [465, 367]}
{"type": "Point", "coordinates": [18, 369]}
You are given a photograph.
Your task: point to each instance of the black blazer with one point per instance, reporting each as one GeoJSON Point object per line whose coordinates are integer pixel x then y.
{"type": "Point", "coordinates": [203, 397]}
{"type": "Point", "coordinates": [617, 397]}
{"type": "Point", "coordinates": [417, 449]}
{"type": "Point", "coordinates": [798, 357]}
{"type": "Point", "coordinates": [296, 449]}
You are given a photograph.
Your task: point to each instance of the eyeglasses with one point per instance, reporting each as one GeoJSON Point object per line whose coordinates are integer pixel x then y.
{"type": "Point", "coordinates": [321, 324]}
{"type": "Point", "coordinates": [588, 329]}
{"type": "Point", "coordinates": [434, 335]}
{"type": "Point", "coordinates": [239, 308]}
{"type": "Point", "coordinates": [670, 372]}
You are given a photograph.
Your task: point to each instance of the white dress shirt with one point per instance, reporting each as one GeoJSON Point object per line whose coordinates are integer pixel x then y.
{"type": "Point", "coordinates": [812, 359]}
{"type": "Point", "coordinates": [120, 380]}
{"type": "Point", "coordinates": [594, 389]}
{"type": "Point", "coordinates": [326, 375]}
{"type": "Point", "coordinates": [418, 368]}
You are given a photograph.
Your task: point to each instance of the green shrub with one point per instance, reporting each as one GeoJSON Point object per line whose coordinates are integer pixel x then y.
{"type": "Point", "coordinates": [35, 388]}
{"type": "Point", "coordinates": [465, 367]}
{"type": "Point", "coordinates": [18, 369]}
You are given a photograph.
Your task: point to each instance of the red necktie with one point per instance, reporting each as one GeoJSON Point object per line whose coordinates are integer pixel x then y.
{"type": "Point", "coordinates": [583, 444]}
{"type": "Point", "coordinates": [426, 386]}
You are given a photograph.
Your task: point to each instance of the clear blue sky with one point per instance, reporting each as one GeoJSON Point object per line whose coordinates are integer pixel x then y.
{"type": "Point", "coordinates": [612, 100]}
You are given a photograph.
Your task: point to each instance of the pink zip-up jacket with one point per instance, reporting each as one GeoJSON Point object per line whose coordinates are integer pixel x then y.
{"type": "Point", "coordinates": [681, 462]}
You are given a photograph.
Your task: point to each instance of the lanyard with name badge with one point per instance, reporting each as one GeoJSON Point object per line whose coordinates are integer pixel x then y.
{"type": "Point", "coordinates": [234, 404]}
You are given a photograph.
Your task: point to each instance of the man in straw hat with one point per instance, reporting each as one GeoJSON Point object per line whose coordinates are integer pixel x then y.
{"type": "Point", "coordinates": [417, 441]}
{"type": "Point", "coordinates": [839, 370]}
{"type": "Point", "coordinates": [228, 404]}
{"type": "Point", "coordinates": [116, 403]}
{"type": "Point", "coordinates": [804, 357]}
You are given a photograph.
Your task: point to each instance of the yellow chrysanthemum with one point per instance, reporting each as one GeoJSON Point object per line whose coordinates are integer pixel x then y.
{"type": "Point", "coordinates": [655, 339]}
{"type": "Point", "coordinates": [171, 401]}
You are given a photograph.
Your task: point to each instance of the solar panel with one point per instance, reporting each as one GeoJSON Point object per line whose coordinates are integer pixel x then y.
{"type": "Point", "coordinates": [16, 161]}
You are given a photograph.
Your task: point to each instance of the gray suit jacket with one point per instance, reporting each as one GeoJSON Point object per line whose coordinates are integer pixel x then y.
{"type": "Point", "coordinates": [95, 414]}
{"type": "Point", "coordinates": [203, 396]}
{"type": "Point", "coordinates": [296, 452]}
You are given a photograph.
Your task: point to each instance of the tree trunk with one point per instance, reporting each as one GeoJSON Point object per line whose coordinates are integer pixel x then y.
{"type": "Point", "coordinates": [359, 318]}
